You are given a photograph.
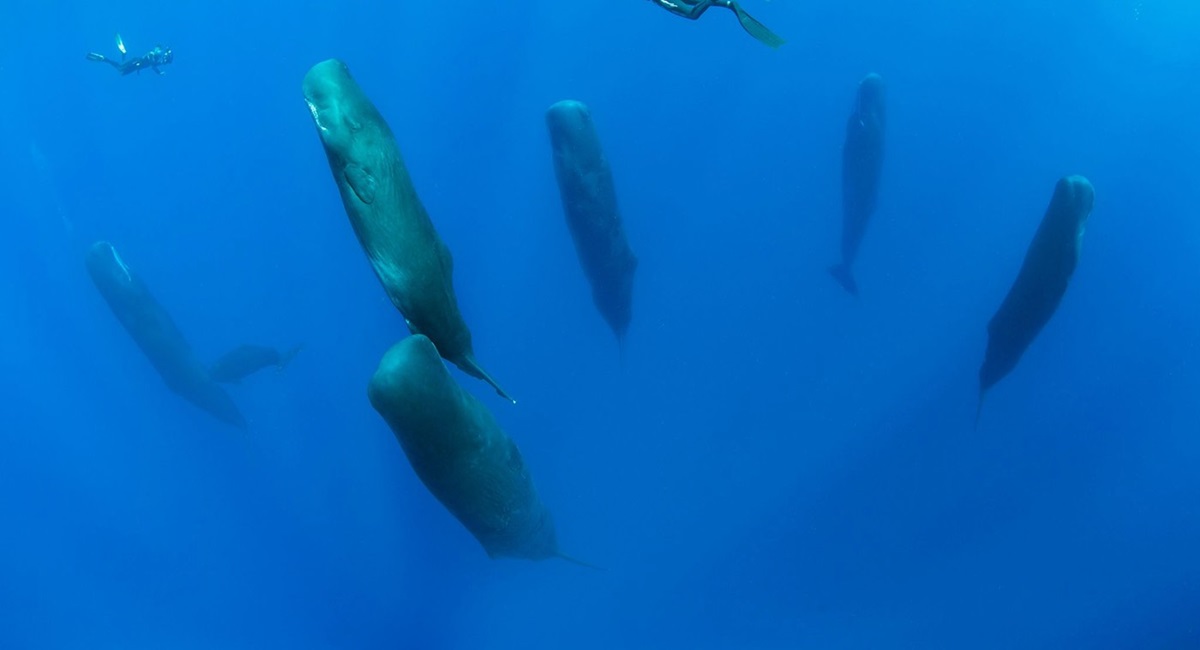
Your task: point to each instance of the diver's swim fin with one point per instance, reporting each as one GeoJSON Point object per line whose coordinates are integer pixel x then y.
{"type": "Point", "coordinates": [94, 56]}
{"type": "Point", "coordinates": [121, 46]}
{"type": "Point", "coordinates": [755, 28]}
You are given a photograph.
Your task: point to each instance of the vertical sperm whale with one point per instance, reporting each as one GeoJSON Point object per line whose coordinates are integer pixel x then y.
{"type": "Point", "coordinates": [1049, 263]}
{"type": "Point", "coordinates": [152, 328]}
{"type": "Point", "coordinates": [862, 164]}
{"type": "Point", "coordinates": [410, 260]}
{"type": "Point", "coordinates": [460, 453]}
{"type": "Point", "coordinates": [589, 202]}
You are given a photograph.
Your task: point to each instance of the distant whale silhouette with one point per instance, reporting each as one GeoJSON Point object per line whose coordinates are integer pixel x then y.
{"type": "Point", "coordinates": [862, 164]}
{"type": "Point", "coordinates": [1041, 283]}
{"type": "Point", "coordinates": [590, 204]}
{"type": "Point", "coordinates": [245, 360]}
{"type": "Point", "coordinates": [460, 453]}
{"type": "Point", "coordinates": [409, 258]}
{"type": "Point", "coordinates": [155, 333]}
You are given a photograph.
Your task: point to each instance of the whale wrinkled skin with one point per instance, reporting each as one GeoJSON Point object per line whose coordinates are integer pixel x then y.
{"type": "Point", "coordinates": [392, 226]}
{"type": "Point", "coordinates": [460, 453]}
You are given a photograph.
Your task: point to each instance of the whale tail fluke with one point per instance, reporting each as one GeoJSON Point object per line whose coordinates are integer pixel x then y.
{"type": "Point", "coordinates": [471, 367]}
{"type": "Point", "coordinates": [841, 273]}
{"type": "Point", "coordinates": [756, 29]}
{"type": "Point", "coordinates": [579, 562]}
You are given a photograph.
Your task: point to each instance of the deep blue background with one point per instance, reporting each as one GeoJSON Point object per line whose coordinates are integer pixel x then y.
{"type": "Point", "coordinates": [772, 464]}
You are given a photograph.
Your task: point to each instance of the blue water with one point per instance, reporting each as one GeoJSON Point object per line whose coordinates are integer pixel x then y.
{"type": "Point", "coordinates": [770, 463]}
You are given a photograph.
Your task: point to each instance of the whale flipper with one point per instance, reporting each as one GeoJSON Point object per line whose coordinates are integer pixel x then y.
{"type": "Point", "coordinates": [361, 182]}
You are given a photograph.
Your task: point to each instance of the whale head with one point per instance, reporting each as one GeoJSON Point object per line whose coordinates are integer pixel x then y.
{"type": "Point", "coordinates": [1073, 199]}
{"type": "Point", "coordinates": [356, 138]}
{"type": "Point", "coordinates": [871, 91]}
{"type": "Point", "coordinates": [338, 105]}
{"type": "Point", "coordinates": [323, 87]}
{"type": "Point", "coordinates": [1081, 195]}
{"type": "Point", "coordinates": [104, 262]}
{"type": "Point", "coordinates": [1069, 210]}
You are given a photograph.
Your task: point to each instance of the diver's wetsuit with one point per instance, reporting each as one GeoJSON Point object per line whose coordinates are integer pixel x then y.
{"type": "Point", "coordinates": [693, 9]}
{"type": "Point", "coordinates": [159, 56]}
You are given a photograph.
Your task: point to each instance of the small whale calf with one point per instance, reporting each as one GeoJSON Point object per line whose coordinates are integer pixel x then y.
{"type": "Point", "coordinates": [1041, 283]}
{"type": "Point", "coordinates": [245, 360]}
{"type": "Point", "coordinates": [589, 201]}
{"type": "Point", "coordinates": [411, 261]}
{"type": "Point", "coordinates": [862, 165]}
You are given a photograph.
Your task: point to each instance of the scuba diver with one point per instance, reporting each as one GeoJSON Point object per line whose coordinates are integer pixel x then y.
{"type": "Point", "coordinates": [159, 56]}
{"type": "Point", "coordinates": [693, 9]}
